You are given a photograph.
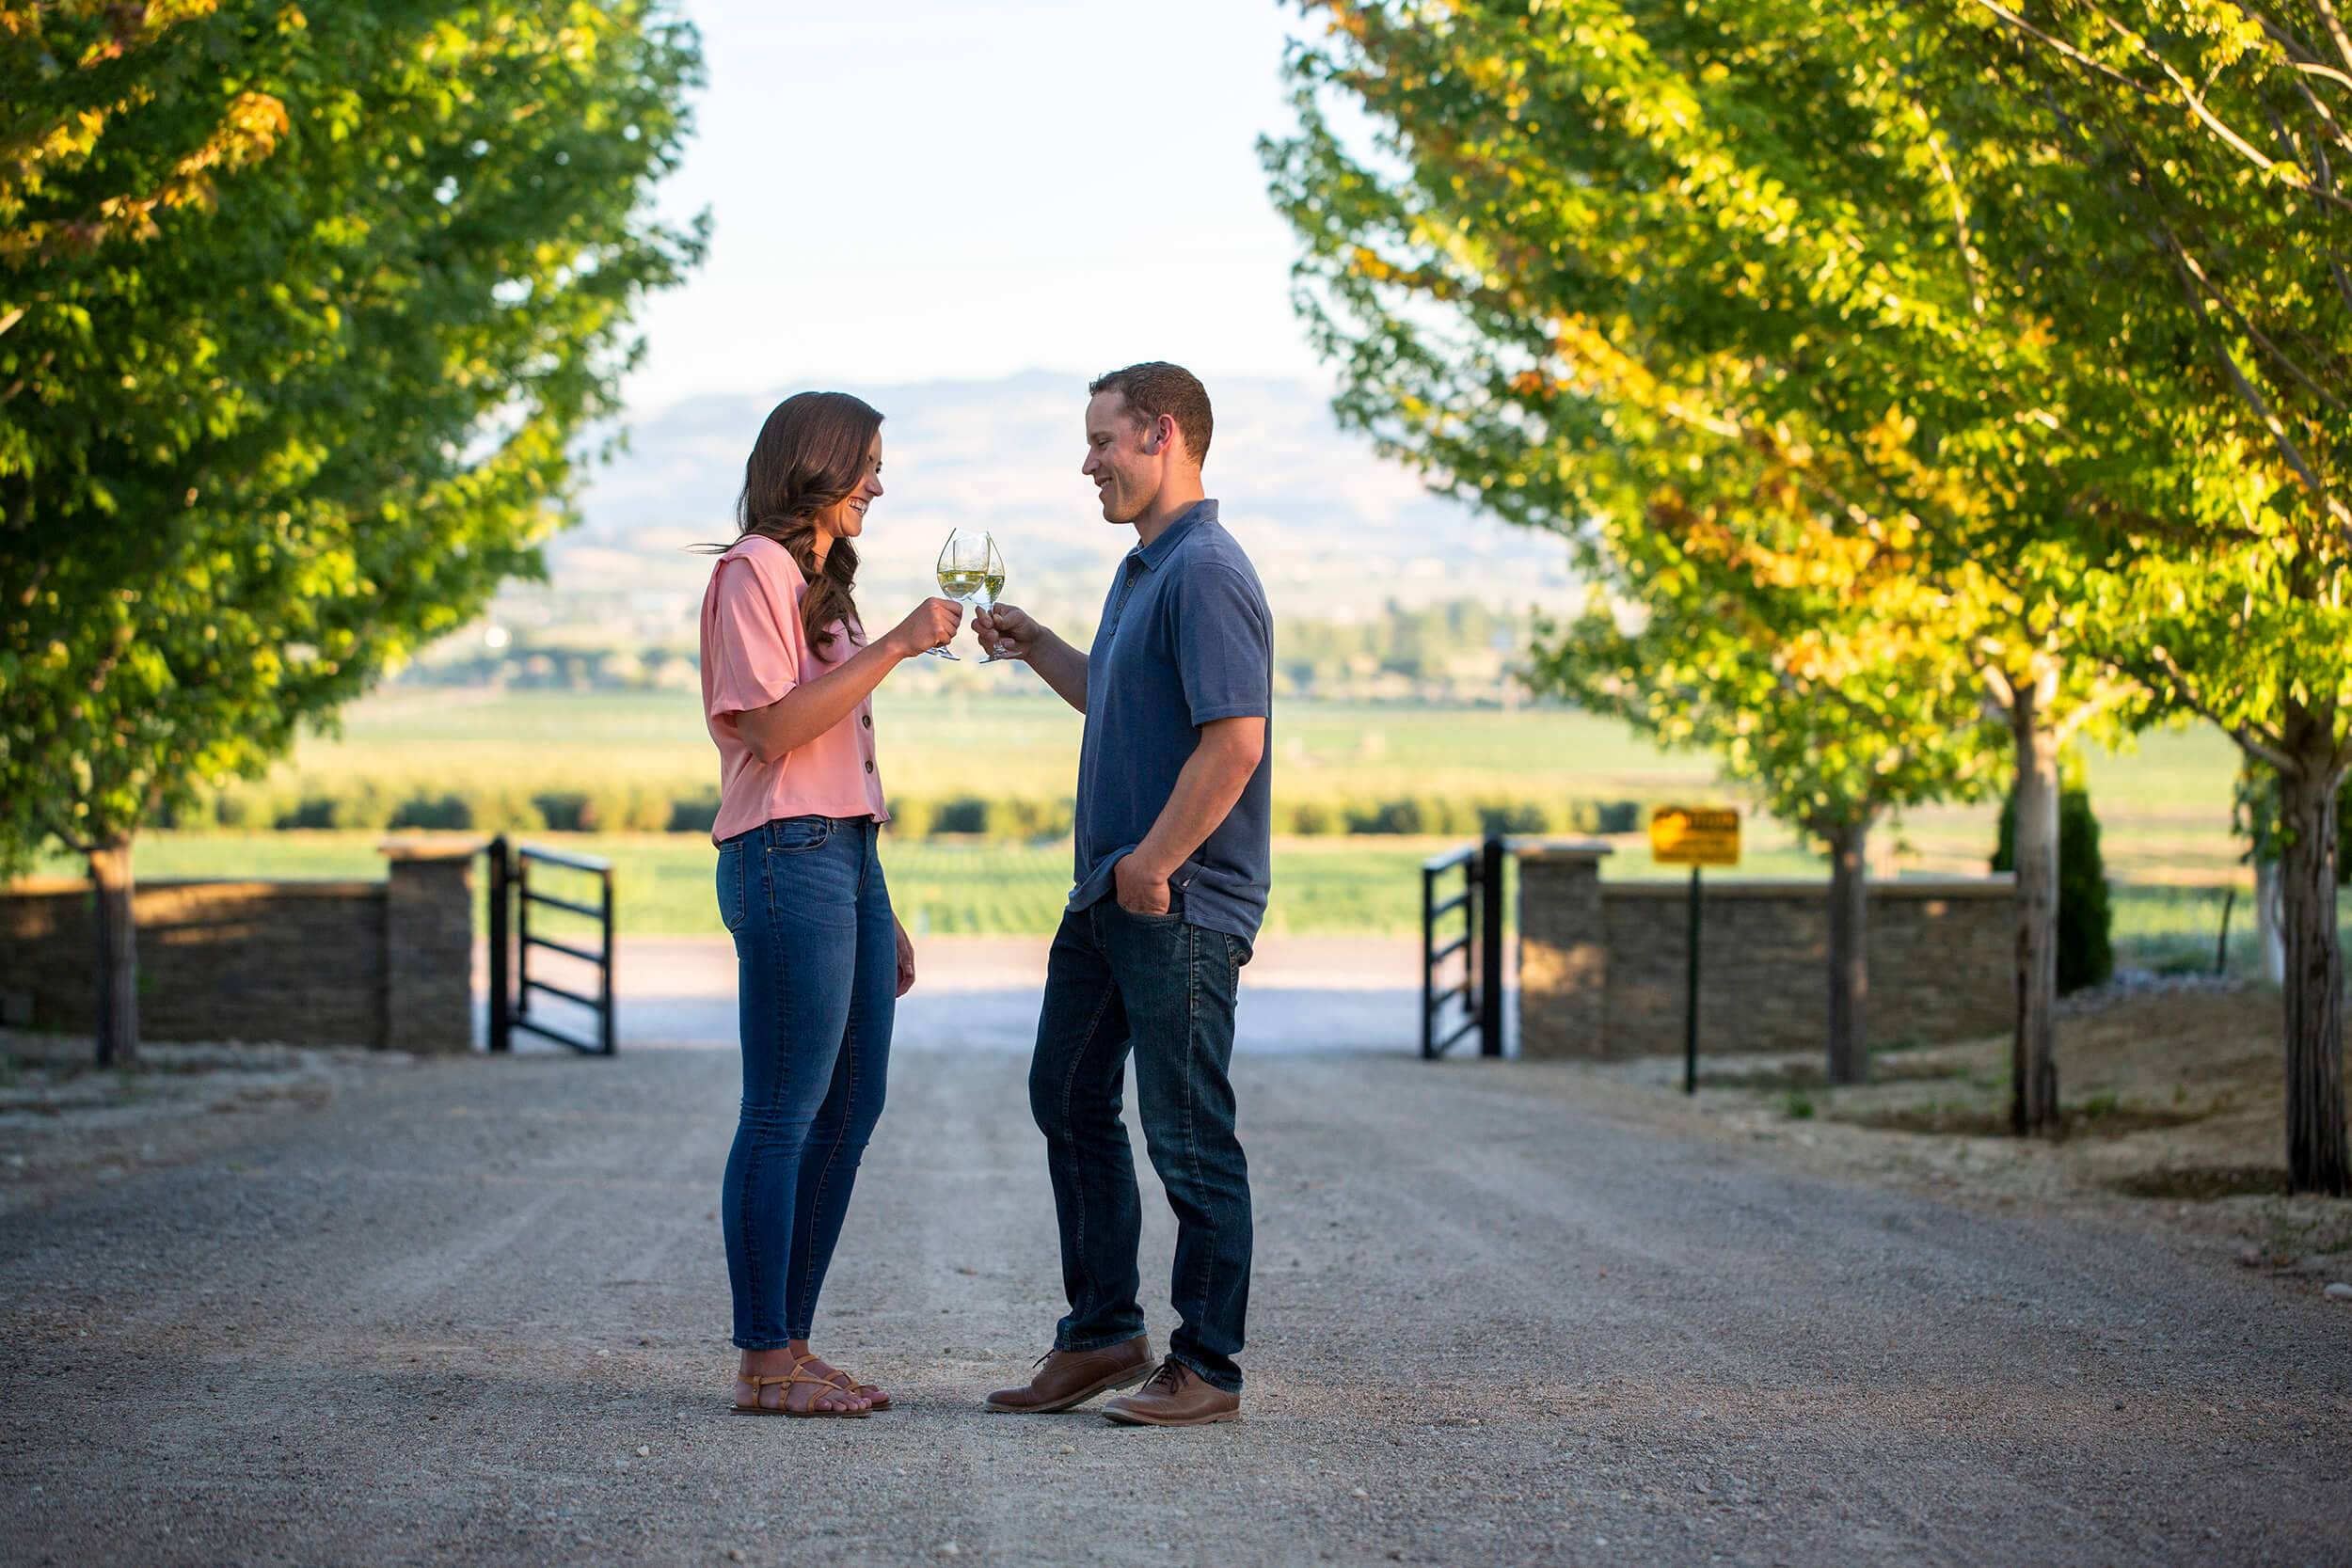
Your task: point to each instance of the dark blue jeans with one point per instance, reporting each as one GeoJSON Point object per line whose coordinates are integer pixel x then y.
{"type": "Point", "coordinates": [1165, 989]}
{"type": "Point", "coordinates": [817, 971]}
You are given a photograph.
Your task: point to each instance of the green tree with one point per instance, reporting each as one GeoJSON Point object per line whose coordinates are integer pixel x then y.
{"type": "Point", "coordinates": [1585, 249]}
{"type": "Point", "coordinates": [1835, 700]}
{"type": "Point", "coordinates": [2166, 173]}
{"type": "Point", "coordinates": [303, 316]}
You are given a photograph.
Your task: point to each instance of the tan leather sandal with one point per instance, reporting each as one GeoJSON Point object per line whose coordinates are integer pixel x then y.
{"type": "Point", "coordinates": [783, 1404]}
{"type": "Point", "coordinates": [875, 1397]}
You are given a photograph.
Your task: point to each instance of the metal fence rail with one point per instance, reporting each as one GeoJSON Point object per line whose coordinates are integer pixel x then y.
{"type": "Point", "coordinates": [512, 895]}
{"type": "Point", "coordinates": [1480, 946]}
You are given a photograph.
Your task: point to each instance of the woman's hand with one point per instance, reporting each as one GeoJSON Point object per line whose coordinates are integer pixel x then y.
{"type": "Point", "coordinates": [1007, 630]}
{"type": "Point", "coordinates": [932, 624]}
{"type": "Point", "coordinates": [906, 958]}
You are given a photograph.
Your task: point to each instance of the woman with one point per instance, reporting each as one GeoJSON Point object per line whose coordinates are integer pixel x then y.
{"type": "Point", "coordinates": [788, 676]}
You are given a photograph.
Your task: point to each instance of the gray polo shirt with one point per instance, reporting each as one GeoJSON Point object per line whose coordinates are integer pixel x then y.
{"type": "Point", "coordinates": [1186, 637]}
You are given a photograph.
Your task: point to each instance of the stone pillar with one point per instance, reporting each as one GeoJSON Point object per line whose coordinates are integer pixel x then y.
{"type": "Point", "coordinates": [428, 945]}
{"type": "Point", "coordinates": [1564, 951]}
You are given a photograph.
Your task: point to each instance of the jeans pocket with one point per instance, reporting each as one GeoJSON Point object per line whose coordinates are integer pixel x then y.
{"type": "Point", "coordinates": [797, 835]}
{"type": "Point", "coordinates": [733, 900]}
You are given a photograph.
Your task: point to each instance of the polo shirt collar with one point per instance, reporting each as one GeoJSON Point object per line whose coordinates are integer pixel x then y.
{"type": "Point", "coordinates": [1153, 554]}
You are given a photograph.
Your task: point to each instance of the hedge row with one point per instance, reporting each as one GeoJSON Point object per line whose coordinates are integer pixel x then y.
{"type": "Point", "coordinates": [622, 808]}
{"type": "Point", "coordinates": [480, 808]}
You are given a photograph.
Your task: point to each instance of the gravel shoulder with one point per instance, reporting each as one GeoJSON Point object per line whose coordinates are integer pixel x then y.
{"type": "Point", "coordinates": [2173, 1097]}
{"type": "Point", "coordinates": [472, 1311]}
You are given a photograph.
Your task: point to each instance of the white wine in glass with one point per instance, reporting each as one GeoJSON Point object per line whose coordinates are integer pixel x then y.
{"type": "Point", "coordinates": [971, 571]}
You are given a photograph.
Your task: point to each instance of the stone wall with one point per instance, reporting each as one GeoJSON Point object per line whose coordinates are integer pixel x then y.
{"type": "Point", "coordinates": [1602, 964]}
{"type": "Point", "coordinates": [387, 963]}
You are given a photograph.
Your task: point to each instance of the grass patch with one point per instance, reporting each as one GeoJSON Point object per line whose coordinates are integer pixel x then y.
{"type": "Point", "coordinates": [2098, 1115]}
{"type": "Point", "coordinates": [1811, 1075]}
{"type": "Point", "coordinates": [2204, 1183]}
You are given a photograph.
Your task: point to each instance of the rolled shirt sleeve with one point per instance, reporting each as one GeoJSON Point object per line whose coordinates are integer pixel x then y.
{"type": "Point", "coordinates": [1225, 645]}
{"type": "Point", "coordinates": [755, 641]}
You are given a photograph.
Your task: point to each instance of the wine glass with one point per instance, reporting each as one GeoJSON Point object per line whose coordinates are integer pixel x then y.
{"type": "Point", "coordinates": [971, 571]}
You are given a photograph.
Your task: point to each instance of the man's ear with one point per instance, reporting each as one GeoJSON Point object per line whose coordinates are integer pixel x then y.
{"type": "Point", "coordinates": [1163, 430]}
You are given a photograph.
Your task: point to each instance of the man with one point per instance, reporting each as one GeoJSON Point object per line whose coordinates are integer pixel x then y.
{"type": "Point", "coordinates": [1173, 863]}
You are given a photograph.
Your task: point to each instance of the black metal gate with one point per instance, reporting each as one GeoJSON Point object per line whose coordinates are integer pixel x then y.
{"type": "Point", "coordinates": [512, 898]}
{"type": "Point", "coordinates": [1479, 990]}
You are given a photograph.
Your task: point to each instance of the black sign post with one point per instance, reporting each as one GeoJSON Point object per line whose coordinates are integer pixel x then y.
{"type": "Point", "coordinates": [1690, 998]}
{"type": "Point", "coordinates": [1694, 836]}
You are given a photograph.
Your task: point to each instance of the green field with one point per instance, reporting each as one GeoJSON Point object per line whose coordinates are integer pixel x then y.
{"type": "Point", "coordinates": [2164, 804]}
{"type": "Point", "coordinates": [641, 753]}
{"type": "Point", "coordinates": [1013, 745]}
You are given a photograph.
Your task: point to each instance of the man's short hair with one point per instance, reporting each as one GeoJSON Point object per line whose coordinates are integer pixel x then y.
{"type": "Point", "coordinates": [1155, 387]}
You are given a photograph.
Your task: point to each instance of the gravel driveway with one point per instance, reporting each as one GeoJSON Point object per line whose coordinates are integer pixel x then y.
{"type": "Point", "coordinates": [474, 1312]}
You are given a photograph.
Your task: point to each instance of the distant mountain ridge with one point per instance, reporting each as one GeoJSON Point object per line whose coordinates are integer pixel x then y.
{"type": "Point", "coordinates": [1334, 529]}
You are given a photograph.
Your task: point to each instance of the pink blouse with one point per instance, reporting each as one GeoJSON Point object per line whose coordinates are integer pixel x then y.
{"type": "Point", "coordinates": [753, 652]}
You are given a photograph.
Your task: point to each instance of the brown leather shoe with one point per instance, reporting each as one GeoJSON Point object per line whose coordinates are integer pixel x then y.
{"type": "Point", "coordinates": [1067, 1378]}
{"type": "Point", "coordinates": [1176, 1396]}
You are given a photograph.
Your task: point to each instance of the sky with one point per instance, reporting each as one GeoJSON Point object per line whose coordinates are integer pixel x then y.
{"type": "Point", "coordinates": [916, 190]}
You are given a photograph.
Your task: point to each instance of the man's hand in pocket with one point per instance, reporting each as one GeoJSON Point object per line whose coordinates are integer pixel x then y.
{"type": "Point", "coordinates": [1138, 890]}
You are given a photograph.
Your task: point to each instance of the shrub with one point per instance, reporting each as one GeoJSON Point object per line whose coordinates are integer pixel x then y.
{"type": "Point", "coordinates": [1315, 818]}
{"type": "Point", "coordinates": [310, 811]}
{"type": "Point", "coordinates": [501, 809]}
{"type": "Point", "coordinates": [964, 814]}
{"type": "Point", "coordinates": [563, 811]}
{"type": "Point", "coordinates": [642, 810]}
{"type": "Point", "coordinates": [695, 814]}
{"type": "Point", "coordinates": [250, 806]}
{"type": "Point", "coordinates": [910, 816]}
{"type": "Point", "coordinates": [615, 809]}
{"type": "Point", "coordinates": [1512, 817]}
{"type": "Point", "coordinates": [1413, 814]}
{"type": "Point", "coordinates": [1026, 819]}
{"type": "Point", "coordinates": [1030, 819]}
{"type": "Point", "coordinates": [434, 813]}
{"type": "Point", "coordinates": [2086, 953]}
{"type": "Point", "coordinates": [1604, 817]}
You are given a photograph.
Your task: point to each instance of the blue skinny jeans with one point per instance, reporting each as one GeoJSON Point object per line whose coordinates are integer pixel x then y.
{"type": "Point", "coordinates": [817, 982]}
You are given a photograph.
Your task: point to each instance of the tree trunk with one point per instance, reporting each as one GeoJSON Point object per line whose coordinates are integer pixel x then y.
{"type": "Point", "coordinates": [2033, 1106]}
{"type": "Point", "coordinates": [2314, 980]}
{"type": "Point", "coordinates": [117, 956]}
{"type": "Point", "coordinates": [2269, 928]}
{"type": "Point", "coordinates": [1849, 955]}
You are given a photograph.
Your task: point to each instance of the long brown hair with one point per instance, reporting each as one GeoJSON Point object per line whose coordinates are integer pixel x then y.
{"type": "Point", "coordinates": [810, 456]}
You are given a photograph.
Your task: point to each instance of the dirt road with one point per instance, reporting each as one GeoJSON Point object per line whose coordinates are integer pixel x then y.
{"type": "Point", "coordinates": [473, 1311]}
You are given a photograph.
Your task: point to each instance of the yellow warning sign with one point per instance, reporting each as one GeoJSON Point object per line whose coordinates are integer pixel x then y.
{"type": "Point", "coordinates": [1694, 836]}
